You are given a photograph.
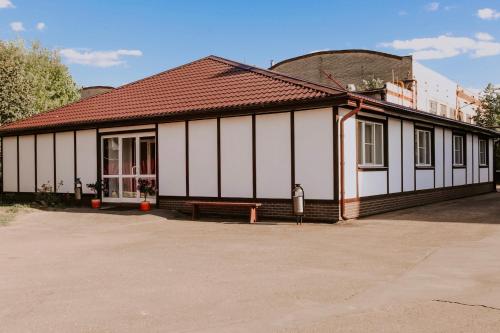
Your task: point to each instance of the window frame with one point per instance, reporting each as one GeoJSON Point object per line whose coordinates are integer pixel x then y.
{"type": "Point", "coordinates": [430, 138]}
{"type": "Point", "coordinates": [486, 153]}
{"type": "Point", "coordinates": [463, 152]}
{"type": "Point", "coordinates": [383, 146]}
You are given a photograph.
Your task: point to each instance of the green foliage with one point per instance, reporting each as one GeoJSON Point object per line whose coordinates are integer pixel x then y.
{"type": "Point", "coordinates": [373, 83]}
{"type": "Point", "coordinates": [33, 80]}
{"type": "Point", "coordinates": [489, 113]}
{"type": "Point", "coordinates": [96, 188]}
{"type": "Point", "coordinates": [47, 197]}
{"type": "Point", "coordinates": [8, 213]}
{"type": "Point", "coordinates": [146, 187]}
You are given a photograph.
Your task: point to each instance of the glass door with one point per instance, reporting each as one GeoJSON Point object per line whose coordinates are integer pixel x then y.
{"type": "Point", "coordinates": [126, 158]}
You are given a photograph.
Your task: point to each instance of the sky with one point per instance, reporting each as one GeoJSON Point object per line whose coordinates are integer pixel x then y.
{"type": "Point", "coordinates": [113, 42]}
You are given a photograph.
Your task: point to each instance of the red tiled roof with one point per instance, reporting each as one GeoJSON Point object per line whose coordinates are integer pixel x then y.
{"type": "Point", "coordinates": [210, 83]}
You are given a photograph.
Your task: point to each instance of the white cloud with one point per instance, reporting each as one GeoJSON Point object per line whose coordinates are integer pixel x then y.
{"type": "Point", "coordinates": [446, 46]}
{"type": "Point", "coordinates": [402, 13]}
{"type": "Point", "coordinates": [432, 6]}
{"type": "Point", "coordinates": [484, 36]}
{"type": "Point", "coordinates": [6, 4]}
{"type": "Point", "coordinates": [488, 14]}
{"type": "Point", "coordinates": [17, 26]}
{"type": "Point", "coordinates": [98, 58]}
{"type": "Point", "coordinates": [41, 26]}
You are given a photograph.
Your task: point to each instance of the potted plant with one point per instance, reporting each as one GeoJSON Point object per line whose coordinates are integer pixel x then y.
{"type": "Point", "coordinates": [96, 188]}
{"type": "Point", "coordinates": [146, 187]}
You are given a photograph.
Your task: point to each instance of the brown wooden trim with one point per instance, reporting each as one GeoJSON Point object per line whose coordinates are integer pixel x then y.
{"type": "Point", "coordinates": [473, 157]}
{"type": "Point", "coordinates": [425, 168]}
{"type": "Point", "coordinates": [219, 170]}
{"type": "Point", "coordinates": [335, 153]}
{"type": "Point", "coordinates": [444, 158]}
{"type": "Point", "coordinates": [254, 159]}
{"type": "Point", "coordinates": [75, 159]}
{"type": "Point", "coordinates": [36, 162]}
{"type": "Point", "coordinates": [55, 164]}
{"type": "Point", "coordinates": [18, 176]}
{"type": "Point", "coordinates": [368, 169]}
{"type": "Point", "coordinates": [157, 165]}
{"type": "Point", "coordinates": [433, 152]}
{"type": "Point", "coordinates": [402, 157]}
{"type": "Point", "coordinates": [187, 156]}
{"type": "Point", "coordinates": [1, 164]}
{"type": "Point", "coordinates": [99, 161]}
{"type": "Point", "coordinates": [292, 147]}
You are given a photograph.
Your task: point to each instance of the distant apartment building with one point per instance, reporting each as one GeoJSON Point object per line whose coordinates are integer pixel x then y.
{"type": "Point", "coordinates": [392, 78]}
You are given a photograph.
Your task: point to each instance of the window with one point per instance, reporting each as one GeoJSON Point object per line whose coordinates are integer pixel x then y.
{"type": "Point", "coordinates": [370, 143]}
{"type": "Point", "coordinates": [483, 152]}
{"type": "Point", "coordinates": [433, 107]}
{"type": "Point", "coordinates": [458, 150]}
{"type": "Point", "coordinates": [444, 110]}
{"type": "Point", "coordinates": [423, 148]}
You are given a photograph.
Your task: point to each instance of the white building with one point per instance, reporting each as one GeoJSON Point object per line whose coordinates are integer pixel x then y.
{"type": "Point", "coordinates": [217, 130]}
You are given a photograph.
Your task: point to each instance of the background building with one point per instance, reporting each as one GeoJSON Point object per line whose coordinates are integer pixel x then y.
{"type": "Point", "coordinates": [389, 77]}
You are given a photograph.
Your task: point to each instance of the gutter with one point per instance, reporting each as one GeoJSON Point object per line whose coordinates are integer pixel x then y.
{"type": "Point", "coordinates": [342, 157]}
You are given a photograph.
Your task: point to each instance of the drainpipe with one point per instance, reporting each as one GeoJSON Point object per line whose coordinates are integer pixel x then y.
{"type": "Point", "coordinates": [342, 161]}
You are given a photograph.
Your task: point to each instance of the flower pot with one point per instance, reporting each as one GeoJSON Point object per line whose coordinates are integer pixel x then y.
{"type": "Point", "coordinates": [144, 206]}
{"type": "Point", "coordinates": [96, 203]}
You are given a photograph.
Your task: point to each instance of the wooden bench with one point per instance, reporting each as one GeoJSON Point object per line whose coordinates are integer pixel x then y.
{"type": "Point", "coordinates": [251, 205]}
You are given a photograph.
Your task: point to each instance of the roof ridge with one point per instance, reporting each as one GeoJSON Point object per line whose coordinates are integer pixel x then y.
{"type": "Point", "coordinates": [279, 76]}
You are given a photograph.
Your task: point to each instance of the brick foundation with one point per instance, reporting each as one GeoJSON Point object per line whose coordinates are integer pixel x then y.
{"type": "Point", "coordinates": [328, 210]}
{"type": "Point", "coordinates": [391, 202]}
{"type": "Point", "coordinates": [316, 210]}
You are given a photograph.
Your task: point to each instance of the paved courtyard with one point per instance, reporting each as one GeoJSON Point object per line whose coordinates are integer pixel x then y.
{"type": "Point", "coordinates": [428, 269]}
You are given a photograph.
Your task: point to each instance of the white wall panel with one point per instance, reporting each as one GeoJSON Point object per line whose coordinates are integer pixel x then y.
{"type": "Point", "coordinates": [203, 158]}
{"type": "Point", "coordinates": [10, 164]}
{"type": "Point", "coordinates": [459, 176]}
{"type": "Point", "coordinates": [372, 183]}
{"type": "Point", "coordinates": [425, 179]}
{"type": "Point", "coordinates": [65, 169]}
{"type": "Point", "coordinates": [484, 175]}
{"type": "Point", "coordinates": [475, 159]}
{"type": "Point", "coordinates": [468, 147]}
{"type": "Point", "coordinates": [314, 152]}
{"type": "Point", "coordinates": [27, 163]}
{"type": "Point", "coordinates": [86, 158]}
{"type": "Point", "coordinates": [273, 155]}
{"type": "Point", "coordinates": [438, 156]}
{"type": "Point", "coordinates": [45, 159]}
{"type": "Point", "coordinates": [172, 158]}
{"type": "Point", "coordinates": [394, 137]}
{"type": "Point", "coordinates": [350, 155]}
{"type": "Point", "coordinates": [236, 157]}
{"type": "Point", "coordinates": [448, 172]}
{"type": "Point", "coordinates": [408, 157]}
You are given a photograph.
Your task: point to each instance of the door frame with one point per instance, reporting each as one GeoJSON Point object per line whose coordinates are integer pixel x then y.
{"type": "Point", "coordinates": [120, 135]}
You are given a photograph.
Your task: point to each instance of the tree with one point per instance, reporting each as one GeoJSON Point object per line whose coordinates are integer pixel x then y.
{"type": "Point", "coordinates": [488, 114]}
{"type": "Point", "coordinates": [371, 84]}
{"type": "Point", "coordinates": [33, 80]}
